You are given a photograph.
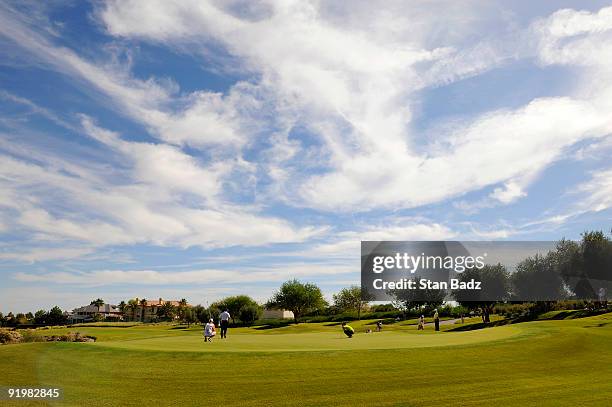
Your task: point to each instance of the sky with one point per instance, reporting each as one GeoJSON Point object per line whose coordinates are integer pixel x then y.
{"type": "Point", "coordinates": [199, 149]}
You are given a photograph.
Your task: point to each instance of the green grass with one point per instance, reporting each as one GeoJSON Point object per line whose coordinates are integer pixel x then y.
{"type": "Point", "coordinates": [540, 363]}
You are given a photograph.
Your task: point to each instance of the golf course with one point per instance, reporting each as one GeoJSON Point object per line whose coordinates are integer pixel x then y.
{"type": "Point", "coordinates": [544, 362]}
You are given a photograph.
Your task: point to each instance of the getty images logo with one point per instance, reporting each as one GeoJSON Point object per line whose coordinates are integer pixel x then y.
{"type": "Point", "coordinates": [412, 263]}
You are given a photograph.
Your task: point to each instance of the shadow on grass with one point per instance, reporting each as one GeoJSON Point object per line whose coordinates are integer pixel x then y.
{"type": "Point", "coordinates": [482, 325]}
{"type": "Point", "coordinates": [273, 325]}
{"type": "Point", "coordinates": [583, 314]}
{"type": "Point", "coordinates": [570, 314]}
{"type": "Point", "coordinates": [600, 325]}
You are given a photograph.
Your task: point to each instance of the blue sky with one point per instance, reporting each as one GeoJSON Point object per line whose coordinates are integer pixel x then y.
{"type": "Point", "coordinates": [200, 149]}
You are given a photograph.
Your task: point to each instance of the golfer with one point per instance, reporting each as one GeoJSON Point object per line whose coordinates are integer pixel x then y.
{"type": "Point", "coordinates": [348, 330]}
{"type": "Point", "coordinates": [436, 320]}
{"type": "Point", "coordinates": [421, 323]}
{"type": "Point", "coordinates": [209, 331]}
{"type": "Point", "coordinates": [379, 325]}
{"type": "Point", "coordinates": [224, 318]}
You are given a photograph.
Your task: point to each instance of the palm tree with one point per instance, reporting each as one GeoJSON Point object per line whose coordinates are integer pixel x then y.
{"type": "Point", "coordinates": [182, 308]}
{"type": "Point", "coordinates": [132, 305]}
{"type": "Point", "coordinates": [166, 311]}
{"type": "Point", "coordinates": [143, 304]}
{"type": "Point", "coordinates": [98, 303]}
{"type": "Point", "coordinates": [122, 307]}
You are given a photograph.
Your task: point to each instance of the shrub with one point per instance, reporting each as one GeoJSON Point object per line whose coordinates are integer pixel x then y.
{"type": "Point", "coordinates": [383, 308]}
{"type": "Point", "coordinates": [513, 310]}
{"type": "Point", "coordinates": [30, 335]}
{"type": "Point", "coordinates": [70, 337]}
{"type": "Point", "coordinates": [7, 336]}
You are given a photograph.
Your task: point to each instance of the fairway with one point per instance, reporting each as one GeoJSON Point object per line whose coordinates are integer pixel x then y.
{"type": "Point", "coordinates": [565, 362]}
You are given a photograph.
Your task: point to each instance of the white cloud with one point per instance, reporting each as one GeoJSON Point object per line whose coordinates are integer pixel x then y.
{"type": "Point", "coordinates": [36, 109]}
{"type": "Point", "coordinates": [45, 254]}
{"type": "Point", "coordinates": [89, 231]}
{"type": "Point", "coordinates": [351, 74]}
{"type": "Point", "coordinates": [509, 193]}
{"type": "Point", "coordinates": [148, 197]}
{"type": "Point", "coordinates": [348, 243]}
{"type": "Point", "coordinates": [590, 196]}
{"type": "Point", "coordinates": [275, 273]}
{"type": "Point", "coordinates": [601, 149]}
{"type": "Point", "coordinates": [567, 22]}
{"type": "Point", "coordinates": [198, 119]}
{"type": "Point", "coordinates": [163, 165]}
{"type": "Point", "coordinates": [580, 39]}
{"type": "Point", "coordinates": [494, 233]}
{"type": "Point", "coordinates": [138, 209]}
{"type": "Point", "coordinates": [595, 194]}
{"type": "Point", "coordinates": [497, 147]}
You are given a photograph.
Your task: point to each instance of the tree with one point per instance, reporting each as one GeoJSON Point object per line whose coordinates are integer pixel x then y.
{"type": "Point", "coordinates": [495, 287]}
{"type": "Point", "coordinates": [10, 320]}
{"type": "Point", "coordinates": [2, 320]}
{"type": "Point", "coordinates": [122, 307]}
{"type": "Point", "coordinates": [214, 310]}
{"type": "Point", "coordinates": [597, 260]}
{"type": "Point", "coordinates": [582, 264]}
{"type": "Point", "coordinates": [56, 316]}
{"type": "Point", "coordinates": [182, 309]}
{"type": "Point", "coordinates": [189, 317]}
{"type": "Point", "coordinates": [133, 306]}
{"type": "Point", "coordinates": [166, 312]}
{"type": "Point", "coordinates": [429, 298]}
{"type": "Point", "coordinates": [21, 319]}
{"type": "Point", "coordinates": [233, 305]}
{"type": "Point", "coordinates": [352, 299]}
{"type": "Point", "coordinates": [568, 259]}
{"type": "Point", "coordinates": [143, 305]}
{"type": "Point", "coordinates": [98, 302]}
{"type": "Point", "coordinates": [200, 313]}
{"type": "Point", "coordinates": [250, 313]}
{"type": "Point", "coordinates": [236, 303]}
{"type": "Point", "coordinates": [297, 297]}
{"type": "Point", "coordinates": [40, 317]}
{"type": "Point", "coordinates": [536, 279]}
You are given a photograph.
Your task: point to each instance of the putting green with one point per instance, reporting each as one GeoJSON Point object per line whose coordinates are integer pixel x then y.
{"type": "Point", "coordinates": [314, 341]}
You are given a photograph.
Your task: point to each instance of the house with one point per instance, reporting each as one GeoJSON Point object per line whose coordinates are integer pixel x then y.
{"type": "Point", "coordinates": [136, 313]}
{"type": "Point", "coordinates": [89, 312]}
{"type": "Point", "coordinates": [269, 313]}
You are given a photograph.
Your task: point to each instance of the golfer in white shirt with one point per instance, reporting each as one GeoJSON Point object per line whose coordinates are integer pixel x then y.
{"type": "Point", "coordinates": [224, 323]}
{"type": "Point", "coordinates": [209, 331]}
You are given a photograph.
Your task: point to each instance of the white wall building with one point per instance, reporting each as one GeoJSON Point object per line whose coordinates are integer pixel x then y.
{"type": "Point", "coordinates": [277, 314]}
